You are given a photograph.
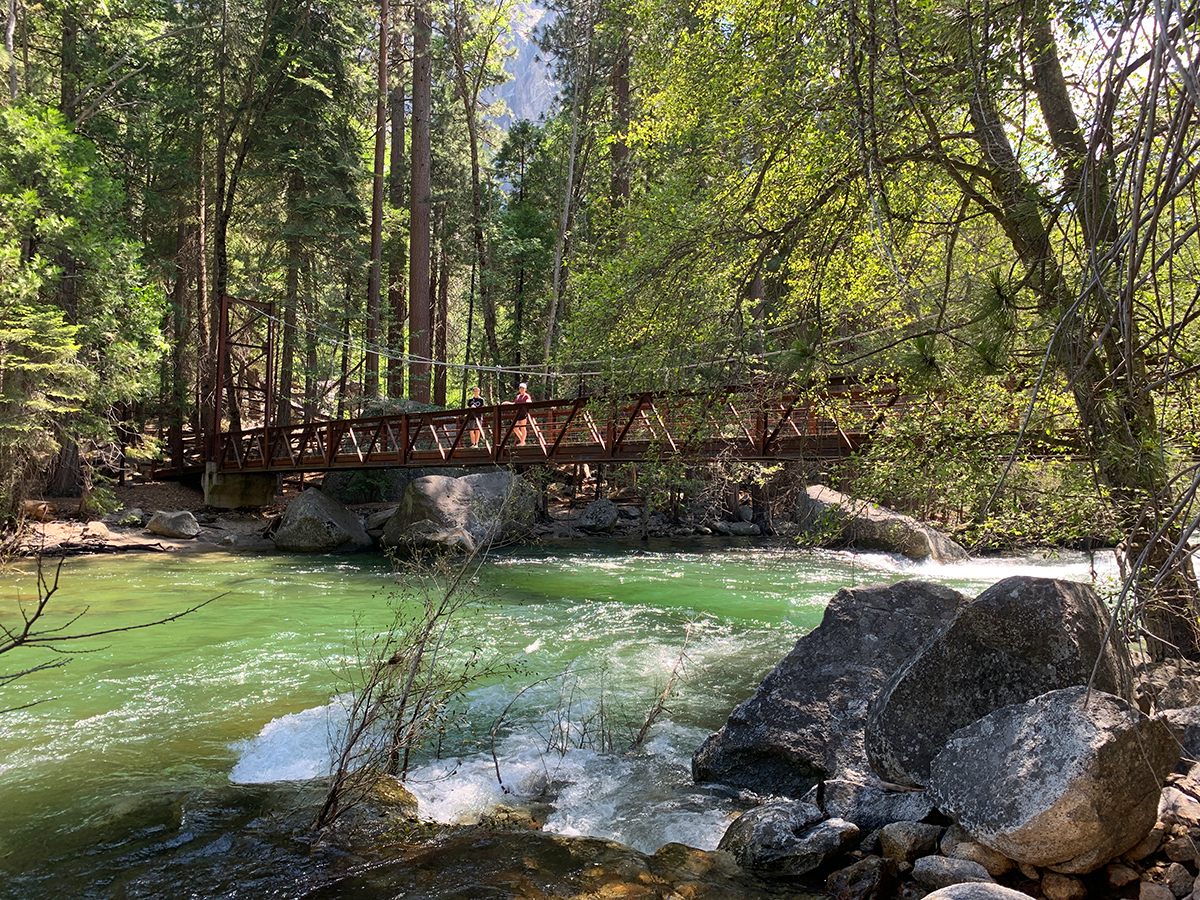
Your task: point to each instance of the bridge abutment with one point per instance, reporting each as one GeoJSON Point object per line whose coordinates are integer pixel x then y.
{"type": "Point", "coordinates": [230, 490]}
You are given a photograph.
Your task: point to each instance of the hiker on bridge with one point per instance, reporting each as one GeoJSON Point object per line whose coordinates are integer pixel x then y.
{"type": "Point", "coordinates": [476, 426]}
{"type": "Point", "coordinates": [523, 399]}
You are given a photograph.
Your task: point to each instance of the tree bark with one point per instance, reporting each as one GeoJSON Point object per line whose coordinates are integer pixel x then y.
{"type": "Point", "coordinates": [420, 344]}
{"type": "Point", "coordinates": [619, 148]}
{"type": "Point", "coordinates": [397, 311]}
{"type": "Point", "coordinates": [375, 274]}
{"type": "Point", "coordinates": [441, 329]}
{"type": "Point", "coordinates": [291, 303]}
{"type": "Point", "coordinates": [10, 47]}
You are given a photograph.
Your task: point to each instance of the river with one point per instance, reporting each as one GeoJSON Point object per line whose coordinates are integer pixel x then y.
{"type": "Point", "coordinates": [146, 762]}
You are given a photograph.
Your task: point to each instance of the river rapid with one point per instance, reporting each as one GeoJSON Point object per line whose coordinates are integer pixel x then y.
{"type": "Point", "coordinates": [171, 761]}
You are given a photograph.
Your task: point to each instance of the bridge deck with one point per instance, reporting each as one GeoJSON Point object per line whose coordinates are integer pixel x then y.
{"type": "Point", "coordinates": [583, 430]}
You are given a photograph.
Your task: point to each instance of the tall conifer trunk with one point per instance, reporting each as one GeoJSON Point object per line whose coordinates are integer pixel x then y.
{"type": "Point", "coordinates": [374, 277]}
{"type": "Point", "coordinates": [397, 309]}
{"type": "Point", "coordinates": [420, 337]}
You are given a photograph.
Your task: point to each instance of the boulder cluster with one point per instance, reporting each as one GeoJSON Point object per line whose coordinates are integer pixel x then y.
{"type": "Point", "coordinates": [437, 512]}
{"type": "Point", "coordinates": [920, 741]}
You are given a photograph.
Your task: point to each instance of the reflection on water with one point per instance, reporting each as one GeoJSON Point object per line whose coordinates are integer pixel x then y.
{"type": "Point", "coordinates": [122, 783]}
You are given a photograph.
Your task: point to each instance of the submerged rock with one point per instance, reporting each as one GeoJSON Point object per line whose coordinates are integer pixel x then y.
{"type": "Point", "coordinates": [485, 863]}
{"type": "Point", "coordinates": [1018, 639]}
{"type": "Point", "coordinates": [1069, 780]}
{"type": "Point", "coordinates": [831, 517]}
{"type": "Point", "coordinates": [737, 529]}
{"type": "Point", "coordinates": [805, 722]}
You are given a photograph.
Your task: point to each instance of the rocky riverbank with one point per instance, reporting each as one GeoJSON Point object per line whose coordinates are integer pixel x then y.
{"type": "Point", "coordinates": [458, 511]}
{"type": "Point", "coordinates": [919, 739]}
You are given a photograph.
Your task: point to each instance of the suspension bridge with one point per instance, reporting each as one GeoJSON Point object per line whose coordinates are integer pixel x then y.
{"type": "Point", "coordinates": [735, 423]}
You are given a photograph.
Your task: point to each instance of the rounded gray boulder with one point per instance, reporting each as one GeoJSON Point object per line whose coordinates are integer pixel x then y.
{"type": "Point", "coordinates": [179, 524]}
{"type": "Point", "coordinates": [316, 523]}
{"type": "Point", "coordinates": [1067, 781]}
{"type": "Point", "coordinates": [976, 890]}
{"type": "Point", "coordinates": [805, 722]}
{"type": "Point", "coordinates": [439, 511]}
{"type": "Point", "coordinates": [1017, 640]}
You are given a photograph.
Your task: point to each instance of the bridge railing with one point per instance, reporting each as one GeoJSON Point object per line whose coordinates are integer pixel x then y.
{"type": "Point", "coordinates": [594, 430]}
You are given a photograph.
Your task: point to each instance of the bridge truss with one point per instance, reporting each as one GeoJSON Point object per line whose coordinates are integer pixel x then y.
{"type": "Point", "coordinates": [732, 424]}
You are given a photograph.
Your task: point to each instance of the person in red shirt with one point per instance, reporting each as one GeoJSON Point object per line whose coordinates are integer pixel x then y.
{"type": "Point", "coordinates": [523, 419]}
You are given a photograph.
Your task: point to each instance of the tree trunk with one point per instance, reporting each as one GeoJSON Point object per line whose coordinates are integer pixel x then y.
{"type": "Point", "coordinates": [1099, 351]}
{"type": "Point", "coordinates": [177, 377]}
{"type": "Point", "coordinates": [70, 66]}
{"type": "Point", "coordinates": [420, 344]}
{"type": "Point", "coordinates": [10, 47]}
{"type": "Point", "coordinates": [440, 332]}
{"type": "Point", "coordinates": [618, 152]}
{"type": "Point", "coordinates": [291, 303]}
{"type": "Point", "coordinates": [397, 311]}
{"type": "Point", "coordinates": [310, 352]}
{"type": "Point", "coordinates": [376, 263]}
{"type": "Point", "coordinates": [205, 352]}
{"type": "Point", "coordinates": [487, 301]}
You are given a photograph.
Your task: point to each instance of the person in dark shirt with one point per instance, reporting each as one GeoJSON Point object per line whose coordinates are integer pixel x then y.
{"type": "Point", "coordinates": [476, 426]}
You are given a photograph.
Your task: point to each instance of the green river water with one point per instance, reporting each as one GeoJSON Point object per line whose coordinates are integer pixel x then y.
{"type": "Point", "coordinates": [142, 770]}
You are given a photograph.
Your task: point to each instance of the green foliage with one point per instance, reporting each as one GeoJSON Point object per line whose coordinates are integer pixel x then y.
{"type": "Point", "coordinates": [40, 382]}
{"type": "Point", "coordinates": [78, 323]}
{"type": "Point", "coordinates": [948, 461]}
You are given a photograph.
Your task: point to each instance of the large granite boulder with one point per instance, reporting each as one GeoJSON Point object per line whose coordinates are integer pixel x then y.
{"type": "Point", "coordinates": [1068, 780]}
{"type": "Point", "coordinates": [439, 511]}
{"type": "Point", "coordinates": [1018, 639]}
{"type": "Point", "coordinates": [316, 523]}
{"type": "Point", "coordinates": [786, 838]}
{"type": "Point", "coordinates": [177, 524]}
{"type": "Point", "coordinates": [831, 517]}
{"type": "Point", "coordinates": [355, 486]}
{"type": "Point", "coordinates": [599, 516]}
{"type": "Point", "coordinates": [805, 722]}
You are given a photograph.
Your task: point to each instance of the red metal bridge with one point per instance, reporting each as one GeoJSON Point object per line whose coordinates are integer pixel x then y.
{"type": "Point", "coordinates": [735, 423]}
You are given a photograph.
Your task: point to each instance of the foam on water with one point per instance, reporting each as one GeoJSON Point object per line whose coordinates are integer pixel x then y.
{"type": "Point", "coordinates": [644, 799]}
{"type": "Point", "coordinates": [292, 747]}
